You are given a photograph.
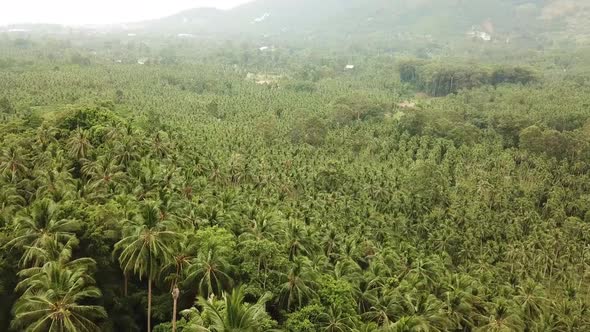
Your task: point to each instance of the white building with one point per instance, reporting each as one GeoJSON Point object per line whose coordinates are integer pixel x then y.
{"type": "Point", "coordinates": [481, 35]}
{"type": "Point", "coordinates": [262, 18]}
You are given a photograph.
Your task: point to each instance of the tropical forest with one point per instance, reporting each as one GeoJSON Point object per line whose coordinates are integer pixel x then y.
{"type": "Point", "coordinates": [299, 166]}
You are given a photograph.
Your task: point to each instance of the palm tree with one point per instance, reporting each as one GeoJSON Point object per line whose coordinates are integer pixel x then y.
{"type": "Point", "coordinates": [104, 175]}
{"type": "Point", "coordinates": [296, 239]}
{"type": "Point", "coordinates": [298, 285]}
{"type": "Point", "coordinates": [409, 324]}
{"type": "Point", "coordinates": [364, 294]}
{"type": "Point", "coordinates": [53, 296]}
{"type": "Point", "coordinates": [44, 136]}
{"type": "Point", "coordinates": [53, 312]}
{"type": "Point", "coordinates": [382, 311]}
{"type": "Point", "coordinates": [531, 300]}
{"type": "Point", "coordinates": [10, 201]}
{"type": "Point", "coordinates": [174, 270]}
{"type": "Point", "coordinates": [126, 152]}
{"type": "Point", "coordinates": [145, 247]}
{"type": "Point", "coordinates": [55, 184]}
{"type": "Point", "coordinates": [233, 315]}
{"type": "Point", "coordinates": [79, 144]}
{"type": "Point", "coordinates": [13, 163]}
{"type": "Point", "coordinates": [503, 319]}
{"type": "Point", "coordinates": [423, 307]}
{"type": "Point", "coordinates": [460, 303]}
{"type": "Point", "coordinates": [37, 227]}
{"type": "Point", "coordinates": [336, 321]}
{"type": "Point", "coordinates": [212, 273]}
{"type": "Point", "coordinates": [58, 258]}
{"type": "Point", "coordinates": [160, 145]}
{"type": "Point", "coordinates": [175, 295]}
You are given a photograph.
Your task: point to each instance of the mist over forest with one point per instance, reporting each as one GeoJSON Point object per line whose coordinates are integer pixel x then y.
{"type": "Point", "coordinates": [299, 166]}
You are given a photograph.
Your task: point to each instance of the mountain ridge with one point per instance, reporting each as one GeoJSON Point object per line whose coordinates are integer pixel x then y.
{"type": "Point", "coordinates": [443, 18]}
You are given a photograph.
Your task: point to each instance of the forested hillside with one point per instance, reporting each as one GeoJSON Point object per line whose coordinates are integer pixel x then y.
{"type": "Point", "coordinates": [194, 184]}
{"type": "Point", "coordinates": [337, 20]}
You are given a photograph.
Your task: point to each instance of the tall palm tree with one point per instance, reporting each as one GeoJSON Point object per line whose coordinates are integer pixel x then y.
{"type": "Point", "coordinates": [55, 184]}
{"type": "Point", "coordinates": [105, 175]}
{"type": "Point", "coordinates": [56, 298]}
{"type": "Point", "coordinates": [212, 273]}
{"type": "Point", "coordinates": [503, 319]}
{"type": "Point", "coordinates": [44, 136]}
{"type": "Point", "coordinates": [531, 300]}
{"type": "Point", "coordinates": [10, 201]}
{"type": "Point", "coordinates": [50, 275]}
{"type": "Point", "coordinates": [460, 301]}
{"type": "Point", "coordinates": [79, 144]}
{"type": "Point", "coordinates": [126, 152]}
{"type": "Point", "coordinates": [299, 284]}
{"type": "Point", "coordinates": [145, 247]}
{"type": "Point", "coordinates": [423, 307]}
{"type": "Point", "coordinates": [336, 321]}
{"type": "Point", "coordinates": [174, 271]}
{"type": "Point", "coordinates": [51, 312]}
{"type": "Point", "coordinates": [296, 239]}
{"type": "Point", "coordinates": [382, 311]}
{"type": "Point", "coordinates": [409, 324]}
{"type": "Point", "coordinates": [233, 315]}
{"type": "Point", "coordinates": [13, 162]}
{"type": "Point", "coordinates": [37, 227]}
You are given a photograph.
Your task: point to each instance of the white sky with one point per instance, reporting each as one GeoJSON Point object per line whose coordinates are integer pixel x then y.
{"type": "Point", "coordinates": [98, 11]}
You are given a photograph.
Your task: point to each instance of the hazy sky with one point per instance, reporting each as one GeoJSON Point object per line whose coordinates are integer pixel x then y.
{"type": "Point", "coordinates": [98, 11]}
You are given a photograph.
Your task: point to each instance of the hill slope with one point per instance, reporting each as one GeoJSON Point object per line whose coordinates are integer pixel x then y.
{"type": "Point", "coordinates": [345, 18]}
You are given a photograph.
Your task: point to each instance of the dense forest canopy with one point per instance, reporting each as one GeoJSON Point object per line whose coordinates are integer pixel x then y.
{"type": "Point", "coordinates": [157, 183]}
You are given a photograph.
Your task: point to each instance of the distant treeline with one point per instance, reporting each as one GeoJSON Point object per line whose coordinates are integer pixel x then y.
{"type": "Point", "coordinates": [441, 79]}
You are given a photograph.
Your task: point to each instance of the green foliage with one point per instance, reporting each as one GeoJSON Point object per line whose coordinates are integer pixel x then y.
{"type": "Point", "coordinates": [86, 116]}
{"type": "Point", "coordinates": [444, 78]}
{"type": "Point", "coordinates": [6, 106]}
{"type": "Point", "coordinates": [306, 319]}
{"type": "Point", "coordinates": [333, 201]}
{"type": "Point", "coordinates": [310, 131]}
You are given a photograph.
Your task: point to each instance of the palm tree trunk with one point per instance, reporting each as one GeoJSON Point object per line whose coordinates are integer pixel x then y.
{"type": "Point", "coordinates": [149, 312]}
{"type": "Point", "coordinates": [126, 282]}
{"type": "Point", "coordinates": [175, 294]}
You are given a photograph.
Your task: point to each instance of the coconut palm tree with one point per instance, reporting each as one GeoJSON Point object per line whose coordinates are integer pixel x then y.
{"type": "Point", "coordinates": [13, 162]}
{"type": "Point", "coordinates": [79, 144]}
{"type": "Point", "coordinates": [104, 174]}
{"type": "Point", "coordinates": [58, 258]}
{"type": "Point", "coordinates": [296, 239]}
{"type": "Point", "coordinates": [58, 313]}
{"type": "Point", "coordinates": [334, 320]}
{"type": "Point", "coordinates": [10, 201]}
{"type": "Point", "coordinates": [233, 315]}
{"type": "Point", "coordinates": [55, 184]}
{"type": "Point", "coordinates": [146, 245]}
{"type": "Point", "coordinates": [531, 300]}
{"type": "Point", "coordinates": [382, 310]}
{"type": "Point", "coordinates": [175, 271]}
{"type": "Point", "coordinates": [503, 319]}
{"type": "Point", "coordinates": [298, 285]}
{"type": "Point", "coordinates": [423, 307]}
{"type": "Point", "coordinates": [56, 298]}
{"type": "Point", "coordinates": [37, 227]}
{"type": "Point", "coordinates": [211, 271]}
